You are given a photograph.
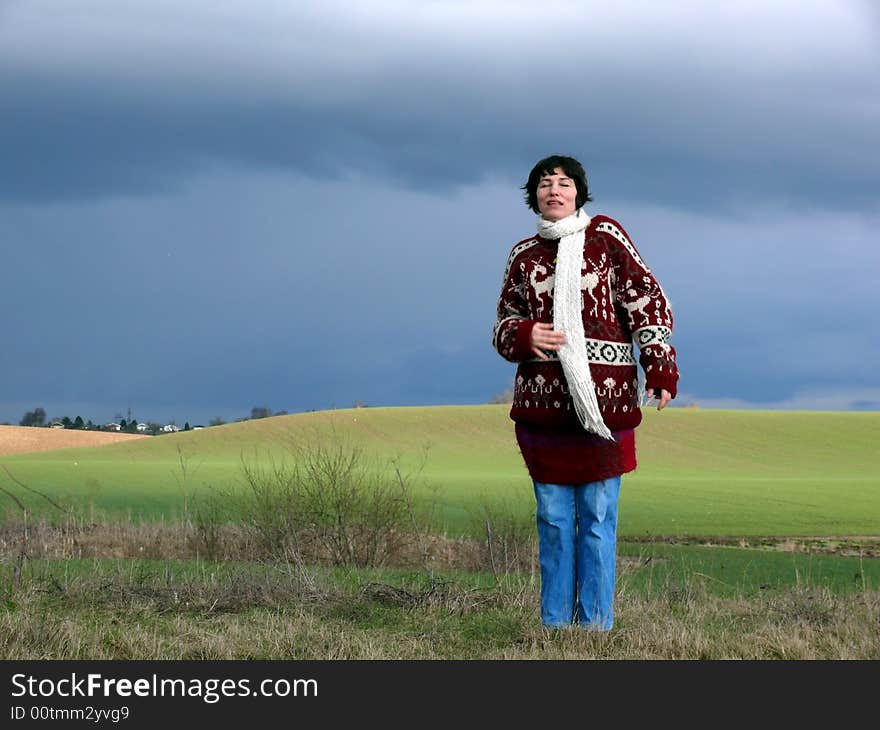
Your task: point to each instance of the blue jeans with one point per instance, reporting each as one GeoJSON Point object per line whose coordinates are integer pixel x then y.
{"type": "Point", "coordinates": [577, 549]}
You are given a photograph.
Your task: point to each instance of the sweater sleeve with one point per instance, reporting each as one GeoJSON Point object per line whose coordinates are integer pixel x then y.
{"type": "Point", "coordinates": [513, 328]}
{"type": "Point", "coordinates": [643, 302]}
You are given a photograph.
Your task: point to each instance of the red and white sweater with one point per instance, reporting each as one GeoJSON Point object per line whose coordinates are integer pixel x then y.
{"type": "Point", "coordinates": [622, 301]}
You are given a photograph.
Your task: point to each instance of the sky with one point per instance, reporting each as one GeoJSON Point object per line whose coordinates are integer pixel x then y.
{"type": "Point", "coordinates": [207, 207]}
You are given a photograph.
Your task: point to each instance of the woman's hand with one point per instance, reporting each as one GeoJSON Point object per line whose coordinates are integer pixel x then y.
{"type": "Point", "coordinates": [544, 337]}
{"type": "Point", "coordinates": [663, 398]}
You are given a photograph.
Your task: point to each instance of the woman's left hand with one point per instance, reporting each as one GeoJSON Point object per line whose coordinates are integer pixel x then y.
{"type": "Point", "coordinates": [663, 398]}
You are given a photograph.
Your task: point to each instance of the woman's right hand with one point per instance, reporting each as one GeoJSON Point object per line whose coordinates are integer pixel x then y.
{"type": "Point", "coordinates": [544, 337]}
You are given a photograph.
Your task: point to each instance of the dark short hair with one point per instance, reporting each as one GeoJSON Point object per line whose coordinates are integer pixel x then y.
{"type": "Point", "coordinates": [570, 166]}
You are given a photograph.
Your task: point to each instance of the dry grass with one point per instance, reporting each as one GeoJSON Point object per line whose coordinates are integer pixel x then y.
{"type": "Point", "coordinates": [287, 612]}
{"type": "Point", "coordinates": [80, 539]}
{"type": "Point", "coordinates": [177, 606]}
{"type": "Point", "coordinates": [24, 439]}
{"type": "Point", "coordinates": [158, 598]}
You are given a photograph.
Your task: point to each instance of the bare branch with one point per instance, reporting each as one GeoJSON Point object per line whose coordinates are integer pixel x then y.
{"type": "Point", "coordinates": [31, 489]}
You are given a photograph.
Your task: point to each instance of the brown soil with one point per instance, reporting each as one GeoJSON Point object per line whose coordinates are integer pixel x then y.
{"type": "Point", "coordinates": [863, 546]}
{"type": "Point", "coordinates": [22, 439]}
{"type": "Point", "coordinates": [79, 538]}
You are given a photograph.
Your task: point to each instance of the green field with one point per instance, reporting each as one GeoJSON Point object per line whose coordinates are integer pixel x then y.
{"type": "Point", "coordinates": [702, 472]}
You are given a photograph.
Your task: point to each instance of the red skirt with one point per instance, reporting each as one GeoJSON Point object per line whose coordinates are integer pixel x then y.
{"type": "Point", "coordinates": [574, 457]}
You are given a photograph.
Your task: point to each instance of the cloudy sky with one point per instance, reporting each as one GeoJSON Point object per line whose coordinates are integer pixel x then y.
{"type": "Point", "coordinates": [210, 206]}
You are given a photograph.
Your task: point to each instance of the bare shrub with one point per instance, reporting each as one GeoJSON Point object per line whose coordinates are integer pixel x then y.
{"type": "Point", "coordinates": [269, 504]}
{"type": "Point", "coordinates": [355, 511]}
{"type": "Point", "coordinates": [212, 518]}
{"type": "Point", "coordinates": [328, 502]}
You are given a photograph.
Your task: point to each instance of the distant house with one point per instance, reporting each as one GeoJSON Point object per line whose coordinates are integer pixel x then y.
{"type": "Point", "coordinates": [170, 428]}
{"type": "Point", "coordinates": [56, 424]}
{"type": "Point", "coordinates": [142, 427]}
{"type": "Point", "coordinates": [112, 427]}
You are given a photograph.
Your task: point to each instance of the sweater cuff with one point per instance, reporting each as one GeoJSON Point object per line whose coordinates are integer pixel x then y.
{"type": "Point", "coordinates": [665, 380]}
{"type": "Point", "coordinates": [522, 336]}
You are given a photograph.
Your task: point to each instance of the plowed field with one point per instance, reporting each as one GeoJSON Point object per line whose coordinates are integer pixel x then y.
{"type": "Point", "coordinates": [21, 439]}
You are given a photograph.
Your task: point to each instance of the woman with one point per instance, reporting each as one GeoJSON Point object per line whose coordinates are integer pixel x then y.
{"type": "Point", "coordinates": [573, 298]}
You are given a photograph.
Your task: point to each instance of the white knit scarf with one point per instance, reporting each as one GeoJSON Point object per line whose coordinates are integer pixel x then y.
{"type": "Point", "coordinates": [568, 316]}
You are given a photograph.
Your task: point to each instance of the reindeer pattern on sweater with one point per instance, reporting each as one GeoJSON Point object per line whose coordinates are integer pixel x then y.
{"type": "Point", "coordinates": [622, 302]}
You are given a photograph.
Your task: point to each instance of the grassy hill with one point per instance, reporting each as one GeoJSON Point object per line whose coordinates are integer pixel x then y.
{"type": "Point", "coordinates": [701, 472]}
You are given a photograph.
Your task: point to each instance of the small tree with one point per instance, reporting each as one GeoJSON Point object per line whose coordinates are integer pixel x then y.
{"type": "Point", "coordinates": [36, 417]}
{"type": "Point", "coordinates": [66, 422]}
{"type": "Point", "coordinates": [78, 423]}
{"type": "Point", "coordinates": [186, 426]}
{"type": "Point", "coordinates": [260, 412]}
{"type": "Point", "coordinates": [505, 396]}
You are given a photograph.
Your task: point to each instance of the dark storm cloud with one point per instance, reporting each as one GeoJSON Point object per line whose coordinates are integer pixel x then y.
{"type": "Point", "coordinates": [83, 146]}
{"type": "Point", "coordinates": [296, 294]}
{"type": "Point", "coordinates": [204, 209]}
{"type": "Point", "coordinates": [680, 120]}
{"type": "Point", "coordinates": [245, 290]}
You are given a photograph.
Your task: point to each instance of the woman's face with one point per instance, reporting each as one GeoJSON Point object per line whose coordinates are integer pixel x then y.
{"type": "Point", "coordinates": [556, 195]}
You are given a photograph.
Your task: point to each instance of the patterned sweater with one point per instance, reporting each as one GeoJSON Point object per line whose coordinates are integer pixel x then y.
{"type": "Point", "coordinates": [622, 301]}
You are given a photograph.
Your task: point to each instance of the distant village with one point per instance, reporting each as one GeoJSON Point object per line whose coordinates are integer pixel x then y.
{"type": "Point", "coordinates": [37, 418]}
{"type": "Point", "coordinates": [150, 428]}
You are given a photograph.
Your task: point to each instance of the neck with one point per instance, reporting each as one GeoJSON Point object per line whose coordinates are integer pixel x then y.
{"type": "Point", "coordinates": [573, 223]}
